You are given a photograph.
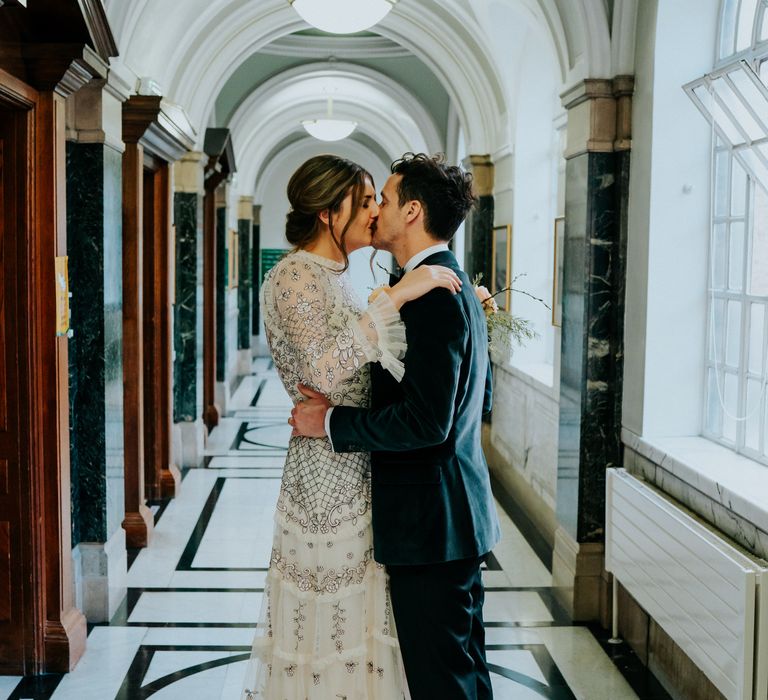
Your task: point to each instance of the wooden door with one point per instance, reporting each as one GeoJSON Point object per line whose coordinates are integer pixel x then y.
{"type": "Point", "coordinates": [14, 570]}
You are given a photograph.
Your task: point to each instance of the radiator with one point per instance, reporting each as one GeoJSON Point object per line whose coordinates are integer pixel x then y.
{"type": "Point", "coordinates": [709, 597]}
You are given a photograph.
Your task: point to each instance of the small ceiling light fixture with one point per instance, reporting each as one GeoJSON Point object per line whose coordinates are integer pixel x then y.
{"type": "Point", "coordinates": [329, 129]}
{"type": "Point", "coordinates": [342, 16]}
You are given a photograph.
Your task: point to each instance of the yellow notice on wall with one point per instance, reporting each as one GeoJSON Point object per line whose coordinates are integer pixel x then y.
{"type": "Point", "coordinates": [62, 295]}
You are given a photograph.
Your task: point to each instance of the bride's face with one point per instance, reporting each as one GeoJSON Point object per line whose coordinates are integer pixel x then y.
{"type": "Point", "coordinates": [360, 231]}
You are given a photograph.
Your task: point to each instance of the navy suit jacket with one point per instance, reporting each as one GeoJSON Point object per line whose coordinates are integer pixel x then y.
{"type": "Point", "coordinates": [431, 490]}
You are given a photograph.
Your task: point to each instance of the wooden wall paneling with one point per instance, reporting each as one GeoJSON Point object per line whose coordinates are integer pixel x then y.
{"type": "Point", "coordinates": [45, 632]}
{"type": "Point", "coordinates": [221, 164]}
{"type": "Point", "coordinates": [155, 133]}
{"type": "Point", "coordinates": [16, 621]}
{"type": "Point", "coordinates": [210, 410]}
{"type": "Point", "coordinates": [162, 477]}
{"type": "Point", "coordinates": [138, 523]}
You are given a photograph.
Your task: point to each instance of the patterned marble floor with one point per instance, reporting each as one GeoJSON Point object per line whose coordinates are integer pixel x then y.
{"type": "Point", "coordinates": [185, 628]}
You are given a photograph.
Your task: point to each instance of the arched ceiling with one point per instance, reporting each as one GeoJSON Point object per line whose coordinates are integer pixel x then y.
{"type": "Point", "coordinates": [256, 67]}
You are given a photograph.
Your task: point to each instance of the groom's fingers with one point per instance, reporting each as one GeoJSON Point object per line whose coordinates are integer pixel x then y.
{"type": "Point", "coordinates": [309, 393]}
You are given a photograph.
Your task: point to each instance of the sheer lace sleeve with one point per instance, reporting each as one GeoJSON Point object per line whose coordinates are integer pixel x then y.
{"type": "Point", "coordinates": [330, 341]}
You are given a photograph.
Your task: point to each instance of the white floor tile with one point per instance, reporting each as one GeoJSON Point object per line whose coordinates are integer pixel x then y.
{"type": "Point", "coordinates": [239, 534]}
{"type": "Point", "coordinates": [8, 685]}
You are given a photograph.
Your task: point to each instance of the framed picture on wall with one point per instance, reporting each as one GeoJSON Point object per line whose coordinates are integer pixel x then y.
{"type": "Point", "coordinates": [501, 271]}
{"type": "Point", "coordinates": [557, 272]}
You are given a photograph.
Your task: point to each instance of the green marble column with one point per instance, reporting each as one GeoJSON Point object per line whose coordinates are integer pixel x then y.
{"type": "Point", "coordinates": [94, 232]}
{"type": "Point", "coordinates": [245, 285]}
{"type": "Point", "coordinates": [222, 287]}
{"type": "Point", "coordinates": [188, 310]}
{"type": "Point", "coordinates": [594, 272]}
{"type": "Point", "coordinates": [255, 268]}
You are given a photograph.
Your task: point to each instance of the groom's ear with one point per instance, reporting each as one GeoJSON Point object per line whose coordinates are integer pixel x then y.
{"type": "Point", "coordinates": [413, 211]}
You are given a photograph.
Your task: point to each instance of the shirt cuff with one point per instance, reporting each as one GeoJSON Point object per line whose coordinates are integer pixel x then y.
{"type": "Point", "coordinates": [328, 426]}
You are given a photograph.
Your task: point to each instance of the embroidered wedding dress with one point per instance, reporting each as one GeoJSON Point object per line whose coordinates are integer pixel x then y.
{"type": "Point", "coordinates": [326, 628]}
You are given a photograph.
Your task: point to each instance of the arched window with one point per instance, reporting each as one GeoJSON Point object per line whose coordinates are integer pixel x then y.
{"type": "Point", "coordinates": [734, 98]}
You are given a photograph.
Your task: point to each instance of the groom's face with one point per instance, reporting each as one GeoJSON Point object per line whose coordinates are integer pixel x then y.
{"type": "Point", "coordinates": [390, 225]}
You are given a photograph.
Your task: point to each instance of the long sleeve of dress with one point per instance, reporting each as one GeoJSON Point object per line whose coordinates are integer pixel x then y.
{"type": "Point", "coordinates": [329, 340]}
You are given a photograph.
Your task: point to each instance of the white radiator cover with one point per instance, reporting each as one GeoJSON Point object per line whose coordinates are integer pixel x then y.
{"type": "Point", "coordinates": [711, 599]}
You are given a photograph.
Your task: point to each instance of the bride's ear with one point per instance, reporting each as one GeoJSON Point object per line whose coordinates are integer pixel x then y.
{"type": "Point", "coordinates": [324, 216]}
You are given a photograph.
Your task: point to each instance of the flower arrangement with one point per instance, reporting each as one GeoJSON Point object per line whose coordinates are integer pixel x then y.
{"type": "Point", "coordinates": [505, 330]}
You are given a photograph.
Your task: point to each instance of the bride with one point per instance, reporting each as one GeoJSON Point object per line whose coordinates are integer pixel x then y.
{"type": "Point", "coordinates": [326, 628]}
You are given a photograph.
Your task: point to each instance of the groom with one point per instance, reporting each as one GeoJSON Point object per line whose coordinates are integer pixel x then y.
{"type": "Point", "coordinates": [434, 519]}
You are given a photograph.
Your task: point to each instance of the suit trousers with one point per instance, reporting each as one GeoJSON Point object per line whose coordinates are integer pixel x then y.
{"type": "Point", "coordinates": [438, 611]}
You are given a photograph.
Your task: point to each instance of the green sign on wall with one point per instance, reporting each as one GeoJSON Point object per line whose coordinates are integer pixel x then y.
{"type": "Point", "coordinates": [269, 258]}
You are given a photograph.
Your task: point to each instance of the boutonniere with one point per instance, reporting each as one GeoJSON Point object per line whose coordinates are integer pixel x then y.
{"type": "Point", "coordinates": [505, 330]}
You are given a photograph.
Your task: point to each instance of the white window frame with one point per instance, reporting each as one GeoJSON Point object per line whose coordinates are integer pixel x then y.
{"type": "Point", "coordinates": [735, 102]}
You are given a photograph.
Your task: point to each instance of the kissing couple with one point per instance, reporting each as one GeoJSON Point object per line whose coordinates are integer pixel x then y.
{"type": "Point", "coordinates": [385, 513]}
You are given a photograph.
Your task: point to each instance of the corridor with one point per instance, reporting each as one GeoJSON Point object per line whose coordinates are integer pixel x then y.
{"type": "Point", "coordinates": [194, 594]}
{"type": "Point", "coordinates": [613, 180]}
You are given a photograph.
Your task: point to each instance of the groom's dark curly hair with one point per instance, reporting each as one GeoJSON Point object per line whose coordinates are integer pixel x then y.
{"type": "Point", "coordinates": [445, 191]}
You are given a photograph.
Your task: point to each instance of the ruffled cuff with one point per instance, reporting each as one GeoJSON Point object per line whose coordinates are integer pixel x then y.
{"type": "Point", "coordinates": [390, 345]}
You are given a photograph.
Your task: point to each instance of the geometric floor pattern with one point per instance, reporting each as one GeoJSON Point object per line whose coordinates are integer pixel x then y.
{"type": "Point", "coordinates": [184, 630]}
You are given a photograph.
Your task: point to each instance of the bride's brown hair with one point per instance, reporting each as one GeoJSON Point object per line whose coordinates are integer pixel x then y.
{"type": "Point", "coordinates": [322, 183]}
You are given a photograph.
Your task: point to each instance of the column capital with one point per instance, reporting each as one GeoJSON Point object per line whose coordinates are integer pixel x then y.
{"type": "Point", "coordinates": [482, 169]}
{"type": "Point", "coordinates": [256, 214]}
{"type": "Point", "coordinates": [94, 115]}
{"type": "Point", "coordinates": [245, 208]}
{"type": "Point", "coordinates": [599, 115]}
{"type": "Point", "coordinates": [189, 173]}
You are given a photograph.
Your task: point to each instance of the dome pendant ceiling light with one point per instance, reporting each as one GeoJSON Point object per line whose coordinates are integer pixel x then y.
{"type": "Point", "coordinates": [342, 16]}
{"type": "Point", "coordinates": [329, 129]}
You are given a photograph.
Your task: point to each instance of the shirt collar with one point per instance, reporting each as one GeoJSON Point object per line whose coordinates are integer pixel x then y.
{"type": "Point", "coordinates": [424, 254]}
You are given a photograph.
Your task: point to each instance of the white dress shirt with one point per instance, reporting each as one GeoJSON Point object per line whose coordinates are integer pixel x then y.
{"type": "Point", "coordinates": [410, 265]}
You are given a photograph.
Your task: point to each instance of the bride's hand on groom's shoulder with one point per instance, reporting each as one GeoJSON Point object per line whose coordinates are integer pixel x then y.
{"type": "Point", "coordinates": [421, 280]}
{"type": "Point", "coordinates": [308, 416]}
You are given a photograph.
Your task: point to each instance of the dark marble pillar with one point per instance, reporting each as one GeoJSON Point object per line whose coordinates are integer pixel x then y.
{"type": "Point", "coordinates": [94, 230]}
{"type": "Point", "coordinates": [222, 287]}
{"type": "Point", "coordinates": [244, 232]}
{"type": "Point", "coordinates": [479, 226]}
{"type": "Point", "coordinates": [189, 429]}
{"type": "Point", "coordinates": [596, 193]}
{"type": "Point", "coordinates": [255, 269]}
{"type": "Point", "coordinates": [188, 326]}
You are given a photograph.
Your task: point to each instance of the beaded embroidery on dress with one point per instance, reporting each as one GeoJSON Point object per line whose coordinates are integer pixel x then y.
{"type": "Point", "coordinates": [326, 629]}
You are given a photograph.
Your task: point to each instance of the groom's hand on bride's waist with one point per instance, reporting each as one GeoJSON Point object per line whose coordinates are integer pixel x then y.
{"type": "Point", "coordinates": [308, 416]}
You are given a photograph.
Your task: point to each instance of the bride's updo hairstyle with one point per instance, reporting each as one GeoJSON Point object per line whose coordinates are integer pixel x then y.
{"type": "Point", "coordinates": [322, 183]}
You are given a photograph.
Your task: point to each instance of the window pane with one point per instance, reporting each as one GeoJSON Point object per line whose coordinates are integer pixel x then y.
{"type": "Point", "coordinates": [722, 161]}
{"type": "Point", "coordinates": [758, 283]}
{"type": "Point", "coordinates": [714, 414]}
{"type": "Point", "coordinates": [730, 396]}
{"type": "Point", "coordinates": [733, 334]}
{"type": "Point", "coordinates": [736, 257]}
{"type": "Point", "coordinates": [756, 330]}
{"type": "Point", "coordinates": [735, 107]}
{"type": "Point", "coordinates": [720, 256]}
{"type": "Point", "coordinates": [751, 95]}
{"type": "Point", "coordinates": [753, 422]}
{"type": "Point", "coordinates": [764, 30]}
{"type": "Point", "coordinates": [718, 332]}
{"type": "Point", "coordinates": [746, 22]}
{"type": "Point", "coordinates": [728, 28]}
{"type": "Point", "coordinates": [738, 189]}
